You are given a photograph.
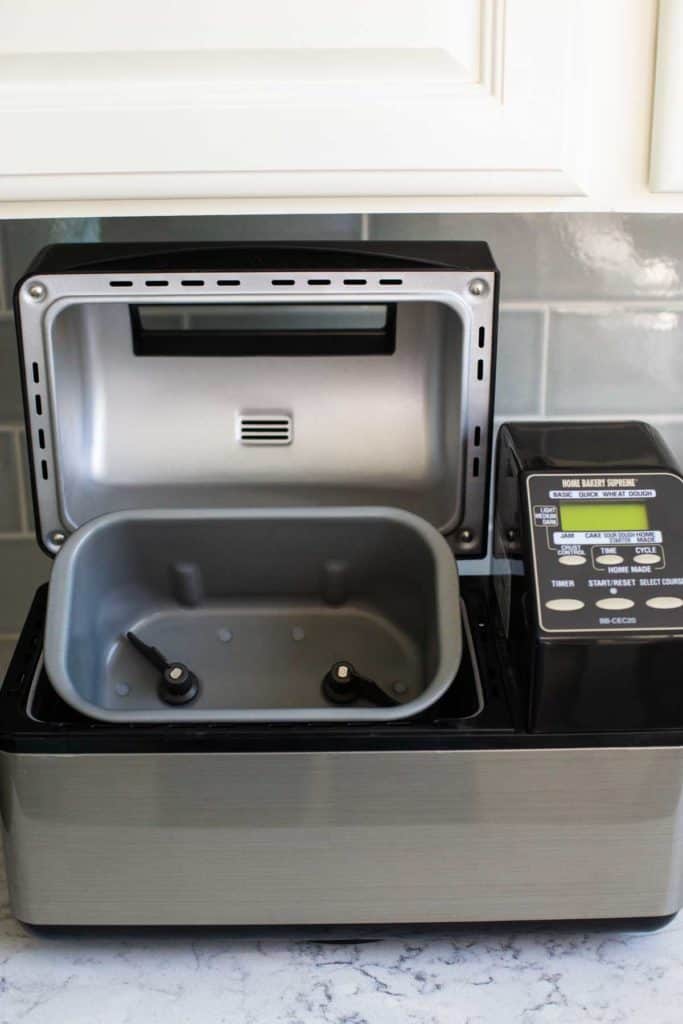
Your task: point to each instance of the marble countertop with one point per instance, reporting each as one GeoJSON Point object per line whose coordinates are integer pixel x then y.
{"type": "Point", "coordinates": [467, 975]}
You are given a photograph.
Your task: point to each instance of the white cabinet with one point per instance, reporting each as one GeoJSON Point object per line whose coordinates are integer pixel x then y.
{"type": "Point", "coordinates": [666, 171]}
{"type": "Point", "coordinates": [364, 104]}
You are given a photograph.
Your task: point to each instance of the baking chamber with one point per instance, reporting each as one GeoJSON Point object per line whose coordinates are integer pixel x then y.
{"type": "Point", "coordinates": [259, 604]}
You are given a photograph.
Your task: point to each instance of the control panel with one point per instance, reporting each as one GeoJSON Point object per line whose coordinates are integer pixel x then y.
{"type": "Point", "coordinates": [607, 551]}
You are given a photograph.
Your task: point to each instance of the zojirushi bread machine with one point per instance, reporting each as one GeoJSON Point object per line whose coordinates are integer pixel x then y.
{"type": "Point", "coordinates": [256, 689]}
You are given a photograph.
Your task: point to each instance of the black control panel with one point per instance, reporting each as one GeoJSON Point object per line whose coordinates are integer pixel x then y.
{"type": "Point", "coordinates": [588, 574]}
{"type": "Point", "coordinates": [607, 551]}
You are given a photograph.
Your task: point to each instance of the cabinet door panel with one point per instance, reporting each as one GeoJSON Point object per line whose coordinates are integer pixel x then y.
{"type": "Point", "coordinates": [444, 97]}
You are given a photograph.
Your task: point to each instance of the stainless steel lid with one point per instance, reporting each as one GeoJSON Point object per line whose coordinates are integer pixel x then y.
{"type": "Point", "coordinates": [260, 388]}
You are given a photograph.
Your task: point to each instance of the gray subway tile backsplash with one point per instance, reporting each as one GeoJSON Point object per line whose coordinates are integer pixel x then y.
{"type": "Point", "coordinates": [265, 228]}
{"type": "Point", "coordinates": [11, 407]}
{"type": "Point", "coordinates": [10, 518]}
{"type": "Point", "coordinates": [591, 323]}
{"type": "Point", "coordinates": [616, 362]}
{"type": "Point", "coordinates": [24, 568]}
{"type": "Point", "coordinates": [672, 433]}
{"type": "Point", "coordinates": [26, 482]}
{"type": "Point", "coordinates": [520, 362]}
{"type": "Point", "coordinates": [550, 256]}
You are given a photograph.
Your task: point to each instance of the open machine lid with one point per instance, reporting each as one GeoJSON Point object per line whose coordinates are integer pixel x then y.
{"type": "Point", "coordinates": [224, 376]}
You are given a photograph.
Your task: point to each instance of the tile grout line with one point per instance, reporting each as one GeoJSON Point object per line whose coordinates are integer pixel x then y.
{"type": "Point", "coordinates": [543, 374]}
{"type": "Point", "coordinates": [595, 306]}
{"type": "Point", "coordinates": [656, 418]}
{"type": "Point", "coordinates": [26, 533]}
{"type": "Point", "coordinates": [3, 265]}
{"type": "Point", "coordinates": [21, 481]}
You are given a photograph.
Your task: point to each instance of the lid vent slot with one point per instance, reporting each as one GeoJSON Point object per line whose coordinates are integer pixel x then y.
{"type": "Point", "coordinates": [264, 428]}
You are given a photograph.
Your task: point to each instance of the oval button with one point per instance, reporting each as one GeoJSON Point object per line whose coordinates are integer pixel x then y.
{"type": "Point", "coordinates": [647, 559]}
{"type": "Point", "coordinates": [564, 604]}
{"type": "Point", "coordinates": [664, 602]}
{"type": "Point", "coordinates": [571, 559]}
{"type": "Point", "coordinates": [615, 604]}
{"type": "Point", "coordinates": [609, 559]}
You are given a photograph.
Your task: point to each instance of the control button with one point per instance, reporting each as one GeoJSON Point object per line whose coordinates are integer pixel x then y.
{"type": "Point", "coordinates": [647, 559]}
{"type": "Point", "coordinates": [572, 560]}
{"type": "Point", "coordinates": [564, 604]}
{"type": "Point", "coordinates": [665, 602]}
{"type": "Point", "coordinates": [609, 559]}
{"type": "Point", "coordinates": [615, 604]}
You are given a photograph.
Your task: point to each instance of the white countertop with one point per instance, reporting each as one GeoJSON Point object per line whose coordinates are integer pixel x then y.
{"type": "Point", "coordinates": [472, 975]}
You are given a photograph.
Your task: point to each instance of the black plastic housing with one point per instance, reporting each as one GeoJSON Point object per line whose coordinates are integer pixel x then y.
{"type": "Point", "coordinates": [578, 682]}
{"type": "Point", "coordinates": [485, 710]}
{"type": "Point", "coordinates": [102, 257]}
{"type": "Point", "coordinates": [34, 719]}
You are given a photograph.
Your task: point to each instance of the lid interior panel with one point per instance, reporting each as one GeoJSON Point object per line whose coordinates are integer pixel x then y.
{"type": "Point", "coordinates": [273, 404]}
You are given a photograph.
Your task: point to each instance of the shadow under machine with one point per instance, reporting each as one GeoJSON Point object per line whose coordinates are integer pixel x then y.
{"type": "Point", "coordinates": [257, 690]}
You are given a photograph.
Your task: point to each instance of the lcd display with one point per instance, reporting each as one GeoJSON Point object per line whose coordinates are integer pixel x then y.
{"type": "Point", "coordinates": [606, 517]}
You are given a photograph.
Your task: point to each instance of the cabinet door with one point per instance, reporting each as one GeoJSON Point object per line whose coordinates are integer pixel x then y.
{"type": "Point", "coordinates": [284, 99]}
{"type": "Point", "coordinates": [666, 167]}
{"type": "Point", "coordinates": [299, 99]}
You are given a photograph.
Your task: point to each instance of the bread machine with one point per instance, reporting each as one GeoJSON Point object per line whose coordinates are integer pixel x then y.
{"type": "Point", "coordinates": [257, 690]}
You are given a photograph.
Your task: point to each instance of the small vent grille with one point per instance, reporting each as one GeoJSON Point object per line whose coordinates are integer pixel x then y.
{"type": "Point", "coordinates": [264, 428]}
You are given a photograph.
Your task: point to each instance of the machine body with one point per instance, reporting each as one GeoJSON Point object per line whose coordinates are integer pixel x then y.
{"type": "Point", "coordinates": [543, 779]}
